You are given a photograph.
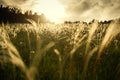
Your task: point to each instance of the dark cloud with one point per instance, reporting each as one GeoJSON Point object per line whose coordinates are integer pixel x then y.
{"type": "Point", "coordinates": [89, 9]}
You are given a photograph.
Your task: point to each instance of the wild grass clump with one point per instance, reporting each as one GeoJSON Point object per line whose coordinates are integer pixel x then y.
{"type": "Point", "coordinates": [76, 51]}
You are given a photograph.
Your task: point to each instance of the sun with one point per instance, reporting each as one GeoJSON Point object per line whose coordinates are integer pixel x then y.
{"type": "Point", "coordinates": [52, 9]}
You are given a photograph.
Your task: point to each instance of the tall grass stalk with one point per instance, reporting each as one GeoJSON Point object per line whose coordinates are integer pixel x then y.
{"type": "Point", "coordinates": [92, 30]}
{"type": "Point", "coordinates": [77, 45]}
{"type": "Point", "coordinates": [112, 31]}
{"type": "Point", "coordinates": [60, 64]}
{"type": "Point", "coordinates": [31, 71]}
{"type": "Point", "coordinates": [86, 61]}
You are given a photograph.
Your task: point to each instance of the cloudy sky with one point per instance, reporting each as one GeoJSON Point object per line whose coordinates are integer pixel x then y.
{"type": "Point", "coordinates": [60, 10]}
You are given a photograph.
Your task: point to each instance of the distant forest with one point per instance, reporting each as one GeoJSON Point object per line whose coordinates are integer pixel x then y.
{"type": "Point", "coordinates": [15, 15]}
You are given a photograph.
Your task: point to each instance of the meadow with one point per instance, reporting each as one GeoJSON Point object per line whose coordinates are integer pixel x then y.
{"type": "Point", "coordinates": [71, 51]}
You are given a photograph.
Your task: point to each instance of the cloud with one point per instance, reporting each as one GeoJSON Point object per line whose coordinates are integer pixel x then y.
{"type": "Point", "coordinates": [91, 9]}
{"type": "Point", "coordinates": [13, 2]}
{"type": "Point", "coordinates": [76, 9]}
{"type": "Point", "coordinates": [23, 4]}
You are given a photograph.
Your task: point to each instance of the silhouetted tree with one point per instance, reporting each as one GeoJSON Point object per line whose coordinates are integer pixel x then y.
{"type": "Point", "coordinates": [15, 15]}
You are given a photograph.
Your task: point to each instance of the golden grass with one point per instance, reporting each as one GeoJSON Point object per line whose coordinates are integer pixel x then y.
{"type": "Point", "coordinates": [79, 40]}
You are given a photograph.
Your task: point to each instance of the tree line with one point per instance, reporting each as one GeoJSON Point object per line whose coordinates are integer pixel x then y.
{"type": "Point", "coordinates": [15, 15]}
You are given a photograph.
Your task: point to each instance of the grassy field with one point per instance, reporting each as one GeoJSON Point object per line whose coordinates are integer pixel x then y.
{"type": "Point", "coordinates": [77, 51]}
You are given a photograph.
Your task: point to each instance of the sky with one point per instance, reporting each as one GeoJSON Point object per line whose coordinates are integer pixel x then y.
{"type": "Point", "coordinates": [70, 10]}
